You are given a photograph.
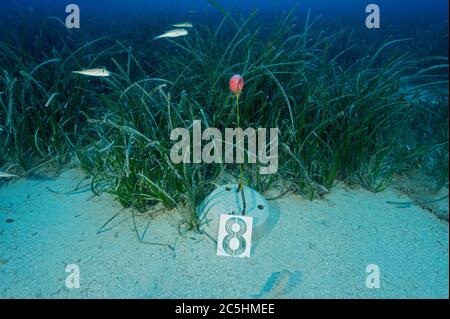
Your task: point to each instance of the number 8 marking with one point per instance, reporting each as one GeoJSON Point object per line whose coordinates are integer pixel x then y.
{"type": "Point", "coordinates": [235, 237]}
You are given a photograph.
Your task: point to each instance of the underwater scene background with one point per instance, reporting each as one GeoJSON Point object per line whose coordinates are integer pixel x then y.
{"type": "Point", "coordinates": [357, 108]}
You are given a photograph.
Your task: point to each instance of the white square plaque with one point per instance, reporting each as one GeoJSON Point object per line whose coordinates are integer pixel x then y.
{"type": "Point", "coordinates": [235, 236]}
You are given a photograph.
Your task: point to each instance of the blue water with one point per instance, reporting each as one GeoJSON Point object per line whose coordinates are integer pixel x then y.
{"type": "Point", "coordinates": [411, 11]}
{"type": "Point", "coordinates": [399, 18]}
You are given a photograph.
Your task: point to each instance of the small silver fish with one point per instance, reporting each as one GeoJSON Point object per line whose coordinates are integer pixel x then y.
{"type": "Point", "coordinates": [278, 284]}
{"type": "Point", "coordinates": [183, 25]}
{"type": "Point", "coordinates": [102, 72]}
{"type": "Point", "coordinates": [7, 175]}
{"type": "Point", "coordinates": [175, 33]}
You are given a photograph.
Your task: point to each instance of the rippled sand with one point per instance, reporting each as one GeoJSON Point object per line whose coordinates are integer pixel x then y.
{"type": "Point", "coordinates": [329, 242]}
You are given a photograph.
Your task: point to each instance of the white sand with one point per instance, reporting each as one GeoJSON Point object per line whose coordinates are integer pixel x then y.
{"type": "Point", "coordinates": [330, 242]}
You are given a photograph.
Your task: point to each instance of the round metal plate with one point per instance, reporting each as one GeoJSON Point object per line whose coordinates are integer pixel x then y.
{"type": "Point", "coordinates": [227, 200]}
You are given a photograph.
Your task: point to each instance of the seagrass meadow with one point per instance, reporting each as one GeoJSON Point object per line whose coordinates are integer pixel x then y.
{"type": "Point", "coordinates": [365, 109]}
{"type": "Point", "coordinates": [354, 105]}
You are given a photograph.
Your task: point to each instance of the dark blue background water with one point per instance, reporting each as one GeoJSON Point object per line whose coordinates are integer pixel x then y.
{"type": "Point", "coordinates": [410, 10]}
{"type": "Point", "coordinates": [424, 20]}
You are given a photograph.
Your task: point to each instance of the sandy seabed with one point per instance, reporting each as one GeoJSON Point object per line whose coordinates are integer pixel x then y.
{"type": "Point", "coordinates": [329, 242]}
